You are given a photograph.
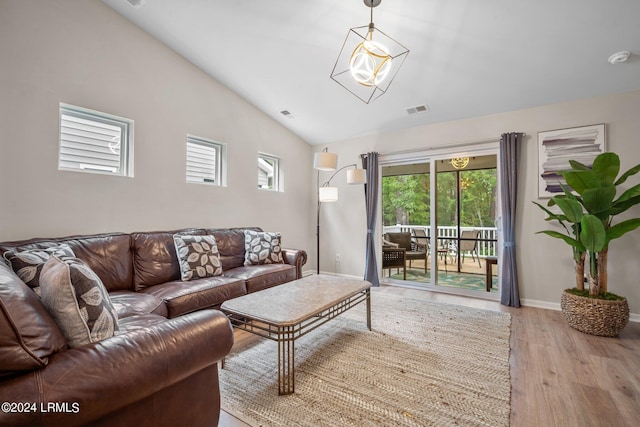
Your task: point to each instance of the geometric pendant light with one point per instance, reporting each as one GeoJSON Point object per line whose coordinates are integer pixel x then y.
{"type": "Point", "coordinates": [368, 60]}
{"type": "Point", "coordinates": [459, 162]}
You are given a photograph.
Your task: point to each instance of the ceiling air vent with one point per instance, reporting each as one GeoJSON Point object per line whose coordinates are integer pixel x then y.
{"type": "Point", "coordinates": [136, 3]}
{"type": "Point", "coordinates": [288, 114]}
{"type": "Point", "coordinates": [418, 109]}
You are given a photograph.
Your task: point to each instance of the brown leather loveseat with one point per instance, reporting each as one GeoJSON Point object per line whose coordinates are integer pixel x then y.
{"type": "Point", "coordinates": [160, 369]}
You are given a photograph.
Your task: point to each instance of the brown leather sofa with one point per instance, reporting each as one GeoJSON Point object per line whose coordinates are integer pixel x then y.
{"type": "Point", "coordinates": [161, 367]}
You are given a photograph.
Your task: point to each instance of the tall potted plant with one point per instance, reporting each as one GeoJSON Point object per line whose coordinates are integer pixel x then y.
{"type": "Point", "coordinates": [587, 218]}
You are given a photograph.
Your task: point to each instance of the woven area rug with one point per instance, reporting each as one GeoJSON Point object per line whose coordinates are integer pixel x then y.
{"type": "Point", "coordinates": [424, 364]}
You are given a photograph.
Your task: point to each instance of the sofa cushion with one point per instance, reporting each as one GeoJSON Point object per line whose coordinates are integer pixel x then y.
{"type": "Point", "coordinates": [28, 263]}
{"type": "Point", "coordinates": [28, 333]}
{"type": "Point", "coordinates": [198, 256]}
{"type": "Point", "coordinates": [185, 297]}
{"type": "Point", "coordinates": [138, 321]}
{"type": "Point", "coordinates": [230, 245]}
{"type": "Point", "coordinates": [154, 257]}
{"type": "Point", "coordinates": [128, 303]}
{"type": "Point", "coordinates": [259, 277]}
{"type": "Point", "coordinates": [78, 301]}
{"type": "Point", "coordinates": [262, 248]}
{"type": "Point", "coordinates": [109, 256]}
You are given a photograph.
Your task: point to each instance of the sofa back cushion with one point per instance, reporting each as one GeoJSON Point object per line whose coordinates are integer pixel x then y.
{"type": "Point", "coordinates": [231, 245]}
{"type": "Point", "coordinates": [28, 334]}
{"type": "Point", "coordinates": [154, 257]}
{"type": "Point", "coordinates": [108, 255]}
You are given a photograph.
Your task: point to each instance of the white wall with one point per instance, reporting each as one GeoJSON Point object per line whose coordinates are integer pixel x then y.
{"type": "Point", "coordinates": [545, 264]}
{"type": "Point", "coordinates": [83, 53]}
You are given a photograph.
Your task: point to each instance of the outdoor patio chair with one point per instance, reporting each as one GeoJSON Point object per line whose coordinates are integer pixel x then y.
{"type": "Point", "coordinates": [404, 241]}
{"type": "Point", "coordinates": [421, 241]}
{"type": "Point", "coordinates": [394, 257]}
{"type": "Point", "coordinates": [469, 244]}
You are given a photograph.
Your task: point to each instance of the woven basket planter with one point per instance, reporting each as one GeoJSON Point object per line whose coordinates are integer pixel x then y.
{"type": "Point", "coordinates": [595, 316]}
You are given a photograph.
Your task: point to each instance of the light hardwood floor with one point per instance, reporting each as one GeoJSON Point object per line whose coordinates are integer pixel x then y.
{"type": "Point", "coordinates": [559, 376]}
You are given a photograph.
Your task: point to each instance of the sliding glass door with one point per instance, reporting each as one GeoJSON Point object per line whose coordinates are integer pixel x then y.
{"type": "Point", "coordinates": [451, 217]}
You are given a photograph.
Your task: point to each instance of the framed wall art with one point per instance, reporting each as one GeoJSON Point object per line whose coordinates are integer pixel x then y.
{"type": "Point", "coordinates": [557, 147]}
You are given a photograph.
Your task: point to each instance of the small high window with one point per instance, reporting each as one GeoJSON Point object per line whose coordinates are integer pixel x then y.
{"type": "Point", "coordinates": [91, 141]}
{"type": "Point", "coordinates": [205, 160]}
{"type": "Point", "coordinates": [268, 172]}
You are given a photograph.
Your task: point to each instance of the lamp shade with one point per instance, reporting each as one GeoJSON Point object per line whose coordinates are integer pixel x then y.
{"type": "Point", "coordinates": [325, 161]}
{"type": "Point", "coordinates": [356, 176]}
{"type": "Point", "coordinates": [328, 194]}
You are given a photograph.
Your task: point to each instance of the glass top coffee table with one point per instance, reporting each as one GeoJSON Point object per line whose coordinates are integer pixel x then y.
{"type": "Point", "coordinates": [286, 312]}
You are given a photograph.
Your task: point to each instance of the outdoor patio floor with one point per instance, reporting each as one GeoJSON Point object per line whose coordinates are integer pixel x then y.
{"type": "Point", "coordinates": [471, 276]}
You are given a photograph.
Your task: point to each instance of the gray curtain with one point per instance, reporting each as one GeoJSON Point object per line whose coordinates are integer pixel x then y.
{"type": "Point", "coordinates": [510, 147]}
{"type": "Point", "coordinates": [370, 163]}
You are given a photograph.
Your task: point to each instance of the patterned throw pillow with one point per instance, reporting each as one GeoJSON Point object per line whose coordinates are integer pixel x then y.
{"type": "Point", "coordinates": [78, 301]}
{"type": "Point", "coordinates": [28, 264]}
{"type": "Point", "coordinates": [262, 248]}
{"type": "Point", "coordinates": [198, 256]}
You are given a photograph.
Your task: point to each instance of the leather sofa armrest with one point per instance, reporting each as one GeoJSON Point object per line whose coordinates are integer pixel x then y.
{"type": "Point", "coordinates": [297, 257]}
{"type": "Point", "coordinates": [97, 379]}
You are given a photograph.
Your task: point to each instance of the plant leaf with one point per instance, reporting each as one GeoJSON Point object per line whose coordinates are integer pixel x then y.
{"type": "Point", "coordinates": [598, 201]}
{"type": "Point", "coordinates": [568, 239]}
{"type": "Point", "coordinates": [548, 212]}
{"type": "Point", "coordinates": [629, 194]}
{"type": "Point", "coordinates": [606, 167]}
{"type": "Point", "coordinates": [581, 180]}
{"type": "Point", "coordinates": [619, 207]}
{"type": "Point", "coordinates": [593, 234]}
{"type": "Point", "coordinates": [634, 170]}
{"type": "Point", "coordinates": [571, 208]}
{"type": "Point", "coordinates": [576, 165]}
{"type": "Point", "coordinates": [622, 228]}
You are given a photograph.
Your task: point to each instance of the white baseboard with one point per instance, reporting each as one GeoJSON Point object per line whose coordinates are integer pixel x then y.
{"type": "Point", "coordinates": [306, 273]}
{"type": "Point", "coordinates": [540, 304]}
{"type": "Point", "coordinates": [633, 317]}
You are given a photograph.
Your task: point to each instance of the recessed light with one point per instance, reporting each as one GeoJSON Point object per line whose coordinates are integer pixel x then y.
{"type": "Point", "coordinates": [619, 57]}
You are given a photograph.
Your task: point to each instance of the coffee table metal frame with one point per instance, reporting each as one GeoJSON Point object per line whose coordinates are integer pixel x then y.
{"type": "Point", "coordinates": [285, 333]}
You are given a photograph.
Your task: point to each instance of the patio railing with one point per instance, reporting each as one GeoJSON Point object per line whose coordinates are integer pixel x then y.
{"type": "Point", "coordinates": [487, 238]}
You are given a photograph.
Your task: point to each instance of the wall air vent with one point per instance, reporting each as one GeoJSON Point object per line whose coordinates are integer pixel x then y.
{"type": "Point", "coordinates": [418, 109]}
{"type": "Point", "coordinates": [136, 3]}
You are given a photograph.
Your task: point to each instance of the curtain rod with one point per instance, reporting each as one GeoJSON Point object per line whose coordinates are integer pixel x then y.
{"type": "Point", "coordinates": [456, 145]}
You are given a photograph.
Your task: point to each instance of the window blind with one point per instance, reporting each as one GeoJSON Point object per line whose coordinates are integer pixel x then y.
{"type": "Point", "coordinates": [203, 161]}
{"type": "Point", "coordinates": [92, 143]}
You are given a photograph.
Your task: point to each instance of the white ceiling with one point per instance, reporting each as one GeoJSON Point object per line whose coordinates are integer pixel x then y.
{"type": "Point", "coordinates": [467, 58]}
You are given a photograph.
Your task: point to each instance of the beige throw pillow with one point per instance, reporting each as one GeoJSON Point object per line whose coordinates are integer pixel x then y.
{"type": "Point", "coordinates": [78, 301]}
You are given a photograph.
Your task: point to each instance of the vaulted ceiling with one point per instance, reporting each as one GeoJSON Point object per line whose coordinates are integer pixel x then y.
{"type": "Point", "coordinates": [467, 58]}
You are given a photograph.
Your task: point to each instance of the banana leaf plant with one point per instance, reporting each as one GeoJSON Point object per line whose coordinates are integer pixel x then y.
{"type": "Point", "coordinates": [570, 218]}
{"type": "Point", "coordinates": [588, 215]}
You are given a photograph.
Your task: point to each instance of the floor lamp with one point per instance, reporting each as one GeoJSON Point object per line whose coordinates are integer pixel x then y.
{"type": "Point", "coordinates": [326, 161]}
